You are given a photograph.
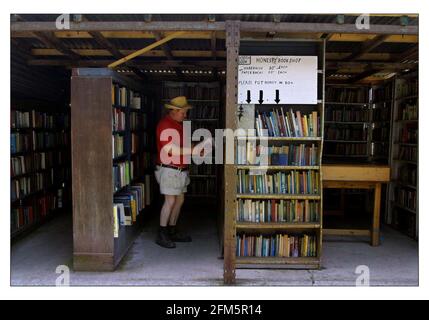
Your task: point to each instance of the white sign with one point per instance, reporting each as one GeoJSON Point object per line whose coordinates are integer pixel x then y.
{"type": "Point", "coordinates": [277, 79]}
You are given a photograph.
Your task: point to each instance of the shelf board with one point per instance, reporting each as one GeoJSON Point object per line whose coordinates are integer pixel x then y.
{"type": "Point", "coordinates": [120, 132]}
{"type": "Point", "coordinates": [37, 171]}
{"type": "Point", "coordinates": [276, 225]}
{"type": "Point", "coordinates": [278, 196]}
{"type": "Point", "coordinates": [271, 167]}
{"type": "Point", "coordinates": [53, 149]}
{"type": "Point", "coordinates": [203, 120]}
{"type": "Point", "coordinates": [120, 157]}
{"type": "Point", "coordinates": [403, 207]}
{"type": "Point", "coordinates": [278, 260]}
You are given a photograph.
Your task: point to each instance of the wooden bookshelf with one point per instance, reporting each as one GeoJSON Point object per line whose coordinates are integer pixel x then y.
{"type": "Point", "coordinates": [205, 99]}
{"type": "Point", "coordinates": [402, 213]}
{"type": "Point", "coordinates": [40, 174]}
{"type": "Point", "coordinates": [235, 226]}
{"type": "Point", "coordinates": [95, 247]}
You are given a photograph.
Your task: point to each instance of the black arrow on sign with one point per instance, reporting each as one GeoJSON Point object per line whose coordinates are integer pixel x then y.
{"type": "Point", "coordinates": [261, 94]}
{"type": "Point", "coordinates": [277, 100]}
{"type": "Point", "coordinates": [248, 96]}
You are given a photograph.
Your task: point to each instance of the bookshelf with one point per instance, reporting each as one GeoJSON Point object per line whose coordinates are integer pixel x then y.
{"type": "Point", "coordinates": [112, 165]}
{"type": "Point", "coordinates": [277, 218]}
{"type": "Point", "coordinates": [347, 124]}
{"type": "Point", "coordinates": [40, 165]}
{"type": "Point", "coordinates": [403, 189]}
{"type": "Point", "coordinates": [205, 97]}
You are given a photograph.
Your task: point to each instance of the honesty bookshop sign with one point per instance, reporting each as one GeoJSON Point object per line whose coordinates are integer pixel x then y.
{"type": "Point", "coordinates": [277, 79]}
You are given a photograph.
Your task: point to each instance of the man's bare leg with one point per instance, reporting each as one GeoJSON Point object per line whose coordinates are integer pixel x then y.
{"type": "Point", "coordinates": [167, 209]}
{"type": "Point", "coordinates": [174, 234]}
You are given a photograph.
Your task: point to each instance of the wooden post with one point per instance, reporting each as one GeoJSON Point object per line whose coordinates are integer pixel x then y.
{"type": "Point", "coordinates": [375, 231]}
{"type": "Point", "coordinates": [232, 47]}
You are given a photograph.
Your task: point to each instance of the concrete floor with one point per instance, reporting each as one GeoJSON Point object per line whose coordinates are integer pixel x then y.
{"type": "Point", "coordinates": [35, 258]}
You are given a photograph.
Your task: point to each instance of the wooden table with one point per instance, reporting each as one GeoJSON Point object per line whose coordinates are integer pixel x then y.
{"type": "Point", "coordinates": [345, 176]}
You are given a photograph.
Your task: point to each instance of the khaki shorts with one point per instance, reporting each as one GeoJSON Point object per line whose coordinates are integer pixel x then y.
{"type": "Point", "coordinates": [172, 182]}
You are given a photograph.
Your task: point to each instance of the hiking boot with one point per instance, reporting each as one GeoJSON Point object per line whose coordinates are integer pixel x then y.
{"type": "Point", "coordinates": [177, 236]}
{"type": "Point", "coordinates": [164, 240]}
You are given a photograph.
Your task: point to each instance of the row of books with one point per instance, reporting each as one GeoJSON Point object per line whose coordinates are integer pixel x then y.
{"type": "Point", "coordinates": [279, 245]}
{"type": "Point", "coordinates": [380, 150]}
{"type": "Point", "coordinates": [382, 94]}
{"type": "Point", "coordinates": [381, 114]}
{"type": "Point", "coordinates": [25, 215]}
{"type": "Point", "coordinates": [23, 186]}
{"type": "Point", "coordinates": [293, 182]}
{"type": "Point", "coordinates": [347, 133]}
{"type": "Point", "coordinates": [36, 161]}
{"type": "Point", "coordinates": [24, 142]}
{"type": "Point", "coordinates": [122, 174]}
{"type": "Point", "coordinates": [289, 155]}
{"type": "Point", "coordinates": [204, 169]}
{"type": "Point", "coordinates": [128, 204]}
{"type": "Point", "coordinates": [42, 140]}
{"type": "Point", "coordinates": [35, 119]}
{"type": "Point", "coordinates": [346, 149]}
{"type": "Point", "coordinates": [381, 134]}
{"type": "Point", "coordinates": [202, 187]}
{"type": "Point", "coordinates": [117, 145]}
{"type": "Point", "coordinates": [283, 211]}
{"type": "Point", "coordinates": [191, 91]}
{"type": "Point", "coordinates": [118, 117]}
{"type": "Point", "coordinates": [138, 121]}
{"type": "Point", "coordinates": [344, 114]}
{"type": "Point", "coordinates": [409, 112]}
{"type": "Point", "coordinates": [347, 95]}
{"type": "Point", "coordinates": [409, 134]}
{"type": "Point", "coordinates": [408, 153]}
{"type": "Point", "coordinates": [408, 174]}
{"type": "Point", "coordinates": [406, 198]}
{"type": "Point", "coordinates": [208, 110]}
{"type": "Point", "coordinates": [124, 97]}
{"type": "Point", "coordinates": [406, 89]}
{"type": "Point", "coordinates": [281, 124]}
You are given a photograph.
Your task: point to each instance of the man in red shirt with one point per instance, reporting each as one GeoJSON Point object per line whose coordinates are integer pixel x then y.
{"type": "Point", "coordinates": [172, 171]}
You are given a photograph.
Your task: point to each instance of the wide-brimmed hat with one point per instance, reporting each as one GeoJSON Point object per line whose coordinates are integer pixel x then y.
{"type": "Point", "coordinates": [178, 103]}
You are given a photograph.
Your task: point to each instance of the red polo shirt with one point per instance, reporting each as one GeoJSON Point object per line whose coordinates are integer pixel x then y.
{"type": "Point", "coordinates": [168, 123]}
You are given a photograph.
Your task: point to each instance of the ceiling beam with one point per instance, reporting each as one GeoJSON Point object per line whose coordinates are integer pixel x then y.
{"type": "Point", "coordinates": [245, 26]}
{"type": "Point", "coordinates": [137, 63]}
{"type": "Point", "coordinates": [167, 51]}
{"type": "Point", "coordinates": [98, 37]}
{"type": "Point", "coordinates": [367, 47]}
{"type": "Point", "coordinates": [412, 53]}
{"type": "Point", "coordinates": [49, 39]}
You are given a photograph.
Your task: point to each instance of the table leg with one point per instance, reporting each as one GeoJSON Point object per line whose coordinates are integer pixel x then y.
{"type": "Point", "coordinates": [375, 231]}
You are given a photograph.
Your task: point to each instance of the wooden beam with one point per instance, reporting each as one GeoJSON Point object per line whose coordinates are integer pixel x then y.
{"type": "Point", "coordinates": [412, 53]}
{"type": "Point", "coordinates": [49, 39]}
{"type": "Point", "coordinates": [373, 65]}
{"type": "Point", "coordinates": [146, 49]}
{"type": "Point", "coordinates": [367, 47]}
{"type": "Point", "coordinates": [138, 63]}
{"type": "Point", "coordinates": [98, 37]}
{"type": "Point", "coordinates": [246, 26]}
{"type": "Point", "coordinates": [104, 26]}
{"type": "Point", "coordinates": [153, 53]}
